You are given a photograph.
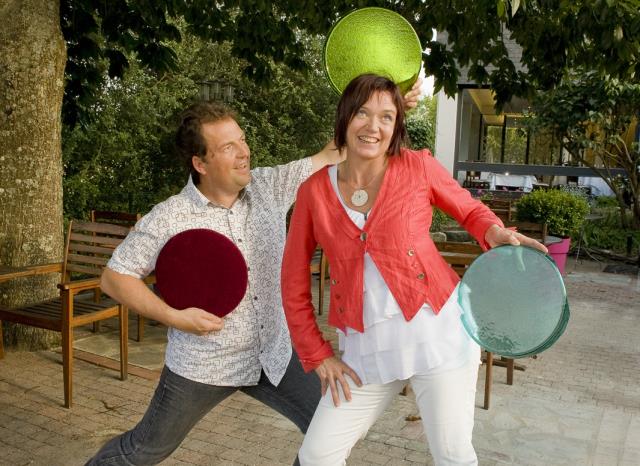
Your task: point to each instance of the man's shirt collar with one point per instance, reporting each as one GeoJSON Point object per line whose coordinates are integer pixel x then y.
{"type": "Point", "coordinates": [200, 201]}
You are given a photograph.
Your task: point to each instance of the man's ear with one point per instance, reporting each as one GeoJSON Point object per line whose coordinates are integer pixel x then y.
{"type": "Point", "coordinates": [198, 165]}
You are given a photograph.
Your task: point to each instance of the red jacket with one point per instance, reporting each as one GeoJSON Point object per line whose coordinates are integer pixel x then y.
{"type": "Point", "coordinates": [396, 236]}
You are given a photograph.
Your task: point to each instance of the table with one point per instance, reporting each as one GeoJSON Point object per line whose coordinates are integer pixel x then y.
{"type": "Point", "coordinates": [524, 182]}
{"type": "Point", "coordinates": [598, 186]}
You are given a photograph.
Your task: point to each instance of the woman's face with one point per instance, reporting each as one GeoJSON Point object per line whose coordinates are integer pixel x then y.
{"type": "Point", "coordinates": [370, 131]}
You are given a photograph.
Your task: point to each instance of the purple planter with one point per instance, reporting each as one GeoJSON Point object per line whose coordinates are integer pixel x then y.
{"type": "Point", "coordinates": [558, 252]}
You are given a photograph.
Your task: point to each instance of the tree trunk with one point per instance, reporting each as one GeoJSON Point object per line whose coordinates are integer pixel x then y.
{"type": "Point", "coordinates": [32, 60]}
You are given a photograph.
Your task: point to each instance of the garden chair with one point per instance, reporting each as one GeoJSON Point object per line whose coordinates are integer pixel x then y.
{"type": "Point", "coordinates": [537, 231]}
{"type": "Point", "coordinates": [127, 219]}
{"type": "Point", "coordinates": [473, 179]}
{"type": "Point", "coordinates": [119, 218]}
{"type": "Point", "coordinates": [89, 246]}
{"type": "Point", "coordinates": [460, 256]}
{"type": "Point", "coordinates": [503, 208]}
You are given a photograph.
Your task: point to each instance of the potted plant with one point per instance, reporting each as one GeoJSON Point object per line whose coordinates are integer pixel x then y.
{"type": "Point", "coordinates": [564, 213]}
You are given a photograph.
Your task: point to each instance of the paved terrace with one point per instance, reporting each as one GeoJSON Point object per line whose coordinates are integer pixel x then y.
{"type": "Point", "coordinates": [576, 404]}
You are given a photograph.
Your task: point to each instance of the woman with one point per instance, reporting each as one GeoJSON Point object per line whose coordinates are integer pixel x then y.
{"type": "Point", "coordinates": [392, 295]}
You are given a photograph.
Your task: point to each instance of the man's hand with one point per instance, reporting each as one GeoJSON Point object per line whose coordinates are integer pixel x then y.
{"type": "Point", "coordinates": [329, 155]}
{"type": "Point", "coordinates": [496, 236]}
{"type": "Point", "coordinates": [332, 372]}
{"type": "Point", "coordinates": [195, 320]}
{"type": "Point", "coordinates": [411, 98]}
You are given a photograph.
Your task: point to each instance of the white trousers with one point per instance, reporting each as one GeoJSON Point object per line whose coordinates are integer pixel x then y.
{"type": "Point", "coordinates": [446, 402]}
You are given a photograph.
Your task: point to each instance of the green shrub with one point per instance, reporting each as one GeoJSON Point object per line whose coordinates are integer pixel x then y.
{"type": "Point", "coordinates": [607, 233]}
{"type": "Point", "coordinates": [439, 218]}
{"type": "Point", "coordinates": [563, 212]}
{"type": "Point", "coordinates": [606, 201]}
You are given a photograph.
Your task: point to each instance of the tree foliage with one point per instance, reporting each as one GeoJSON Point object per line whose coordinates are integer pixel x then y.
{"type": "Point", "coordinates": [554, 36]}
{"type": "Point", "coordinates": [593, 118]}
{"type": "Point", "coordinates": [103, 38]}
{"type": "Point", "coordinates": [122, 158]}
{"type": "Point", "coordinates": [603, 35]}
{"type": "Point", "coordinates": [421, 124]}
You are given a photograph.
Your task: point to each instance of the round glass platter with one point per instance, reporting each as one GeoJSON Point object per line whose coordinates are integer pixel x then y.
{"type": "Point", "coordinates": [514, 302]}
{"type": "Point", "coordinates": [372, 40]}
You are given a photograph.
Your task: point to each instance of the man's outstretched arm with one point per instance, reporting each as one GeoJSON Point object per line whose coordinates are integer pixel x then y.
{"type": "Point", "coordinates": [136, 295]}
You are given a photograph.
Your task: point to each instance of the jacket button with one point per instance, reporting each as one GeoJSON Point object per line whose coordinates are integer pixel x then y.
{"type": "Point", "coordinates": [363, 236]}
{"type": "Point", "coordinates": [337, 296]}
{"type": "Point", "coordinates": [333, 281]}
{"type": "Point", "coordinates": [420, 276]}
{"type": "Point", "coordinates": [410, 253]}
{"type": "Point", "coordinates": [340, 310]}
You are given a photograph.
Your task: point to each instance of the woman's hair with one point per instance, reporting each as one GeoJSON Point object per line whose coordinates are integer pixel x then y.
{"type": "Point", "coordinates": [356, 94]}
{"type": "Point", "coordinates": [189, 139]}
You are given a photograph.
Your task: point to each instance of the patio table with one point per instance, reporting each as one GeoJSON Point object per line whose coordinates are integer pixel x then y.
{"type": "Point", "coordinates": [524, 182]}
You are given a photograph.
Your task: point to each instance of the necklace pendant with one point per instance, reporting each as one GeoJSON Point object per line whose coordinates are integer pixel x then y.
{"type": "Point", "coordinates": [359, 197]}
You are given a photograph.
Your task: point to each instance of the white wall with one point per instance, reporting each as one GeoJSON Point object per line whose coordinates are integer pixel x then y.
{"type": "Point", "coordinates": [446, 130]}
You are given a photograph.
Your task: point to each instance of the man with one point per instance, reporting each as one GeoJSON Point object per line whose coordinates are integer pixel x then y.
{"type": "Point", "coordinates": [209, 358]}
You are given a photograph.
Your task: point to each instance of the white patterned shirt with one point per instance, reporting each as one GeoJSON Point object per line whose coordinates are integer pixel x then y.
{"type": "Point", "coordinates": [255, 336]}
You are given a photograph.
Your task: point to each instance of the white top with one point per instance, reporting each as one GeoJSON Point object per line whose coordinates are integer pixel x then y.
{"type": "Point", "coordinates": [390, 348]}
{"type": "Point", "coordinates": [255, 335]}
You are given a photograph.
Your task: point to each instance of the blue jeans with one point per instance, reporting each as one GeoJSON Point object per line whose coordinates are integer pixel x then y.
{"type": "Point", "coordinates": [178, 404]}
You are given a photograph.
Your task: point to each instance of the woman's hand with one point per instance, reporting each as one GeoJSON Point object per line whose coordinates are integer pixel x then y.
{"type": "Point", "coordinates": [411, 98]}
{"type": "Point", "coordinates": [497, 235]}
{"type": "Point", "coordinates": [331, 371]}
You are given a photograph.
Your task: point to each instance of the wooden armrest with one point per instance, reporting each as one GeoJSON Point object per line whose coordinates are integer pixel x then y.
{"type": "Point", "coordinates": [80, 285]}
{"type": "Point", "coordinates": [9, 273]}
{"type": "Point", "coordinates": [150, 279]}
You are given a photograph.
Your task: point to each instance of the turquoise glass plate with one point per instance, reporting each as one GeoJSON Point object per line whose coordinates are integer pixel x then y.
{"type": "Point", "coordinates": [514, 302]}
{"type": "Point", "coordinates": [372, 40]}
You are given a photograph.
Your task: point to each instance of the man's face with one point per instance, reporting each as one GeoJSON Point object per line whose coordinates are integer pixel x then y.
{"type": "Point", "coordinates": [226, 165]}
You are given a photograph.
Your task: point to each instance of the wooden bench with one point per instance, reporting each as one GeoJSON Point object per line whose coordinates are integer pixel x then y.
{"type": "Point", "coordinates": [320, 267]}
{"type": "Point", "coordinates": [89, 246]}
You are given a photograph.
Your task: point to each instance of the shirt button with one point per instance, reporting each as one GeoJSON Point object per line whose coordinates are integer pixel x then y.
{"type": "Point", "coordinates": [410, 253]}
{"type": "Point", "coordinates": [420, 276]}
{"type": "Point", "coordinates": [239, 240]}
{"type": "Point", "coordinates": [255, 298]}
{"type": "Point", "coordinates": [231, 212]}
{"type": "Point", "coordinates": [363, 236]}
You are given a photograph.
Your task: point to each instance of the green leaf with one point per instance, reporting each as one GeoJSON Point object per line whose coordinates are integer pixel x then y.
{"type": "Point", "coordinates": [502, 9]}
{"type": "Point", "coordinates": [515, 4]}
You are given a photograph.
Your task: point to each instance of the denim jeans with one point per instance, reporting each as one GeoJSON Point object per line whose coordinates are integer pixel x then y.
{"type": "Point", "coordinates": [178, 404]}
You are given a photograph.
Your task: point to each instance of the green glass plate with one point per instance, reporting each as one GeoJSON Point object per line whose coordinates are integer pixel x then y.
{"type": "Point", "coordinates": [372, 40]}
{"type": "Point", "coordinates": [514, 302]}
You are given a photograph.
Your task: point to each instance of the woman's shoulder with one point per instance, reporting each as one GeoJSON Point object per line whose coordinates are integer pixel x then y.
{"type": "Point", "coordinates": [415, 159]}
{"type": "Point", "coordinates": [415, 154]}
